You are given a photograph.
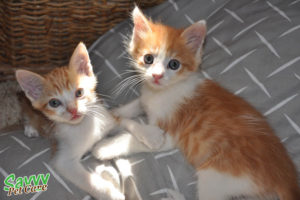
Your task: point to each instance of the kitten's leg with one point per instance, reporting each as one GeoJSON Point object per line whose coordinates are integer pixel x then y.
{"type": "Point", "coordinates": [28, 116]}
{"type": "Point", "coordinates": [29, 130]}
{"type": "Point", "coordinates": [150, 135]}
{"type": "Point", "coordinates": [130, 110]}
{"type": "Point", "coordinates": [125, 144]}
{"type": "Point", "coordinates": [93, 183]}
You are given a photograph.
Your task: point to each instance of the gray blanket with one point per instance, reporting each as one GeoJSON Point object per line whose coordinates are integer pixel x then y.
{"type": "Point", "coordinates": [252, 49]}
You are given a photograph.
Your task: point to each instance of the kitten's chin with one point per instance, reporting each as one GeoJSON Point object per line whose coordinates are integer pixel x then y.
{"type": "Point", "coordinates": [76, 120]}
{"type": "Point", "coordinates": [72, 120]}
{"type": "Point", "coordinates": [155, 86]}
{"type": "Point", "coordinates": [161, 85]}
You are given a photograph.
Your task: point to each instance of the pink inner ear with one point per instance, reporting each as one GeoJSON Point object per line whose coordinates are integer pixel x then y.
{"type": "Point", "coordinates": [140, 22]}
{"type": "Point", "coordinates": [35, 89]}
{"type": "Point", "coordinates": [31, 84]}
{"type": "Point", "coordinates": [80, 61]}
{"type": "Point", "coordinates": [140, 25]}
{"type": "Point", "coordinates": [194, 40]}
{"type": "Point", "coordinates": [194, 36]}
{"type": "Point", "coordinates": [83, 66]}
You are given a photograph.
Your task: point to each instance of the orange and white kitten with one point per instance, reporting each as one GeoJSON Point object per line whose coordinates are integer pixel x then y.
{"type": "Point", "coordinates": [230, 144]}
{"type": "Point", "coordinates": [67, 97]}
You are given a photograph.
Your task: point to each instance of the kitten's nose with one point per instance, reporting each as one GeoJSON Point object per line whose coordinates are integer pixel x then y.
{"type": "Point", "coordinates": [73, 111]}
{"type": "Point", "coordinates": [157, 76]}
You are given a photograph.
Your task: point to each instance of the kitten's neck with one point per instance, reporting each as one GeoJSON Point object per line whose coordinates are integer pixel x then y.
{"type": "Point", "coordinates": [94, 124]}
{"type": "Point", "coordinates": [160, 104]}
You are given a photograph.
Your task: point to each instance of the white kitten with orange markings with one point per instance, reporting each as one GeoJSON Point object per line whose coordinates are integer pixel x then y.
{"type": "Point", "coordinates": [67, 97]}
{"type": "Point", "coordinates": [230, 144]}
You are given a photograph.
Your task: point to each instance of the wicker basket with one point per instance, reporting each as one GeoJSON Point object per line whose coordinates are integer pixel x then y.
{"type": "Point", "coordinates": [41, 34]}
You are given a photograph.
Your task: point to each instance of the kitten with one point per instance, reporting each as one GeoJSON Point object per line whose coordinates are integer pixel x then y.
{"type": "Point", "coordinates": [67, 97]}
{"type": "Point", "coordinates": [230, 144]}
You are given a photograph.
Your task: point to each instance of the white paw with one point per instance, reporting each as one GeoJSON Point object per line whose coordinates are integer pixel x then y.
{"type": "Point", "coordinates": [117, 195]}
{"type": "Point", "coordinates": [153, 138]}
{"type": "Point", "coordinates": [108, 193]}
{"type": "Point", "coordinates": [173, 195]}
{"type": "Point", "coordinates": [109, 173]}
{"type": "Point", "coordinates": [30, 132]}
{"type": "Point", "coordinates": [101, 152]}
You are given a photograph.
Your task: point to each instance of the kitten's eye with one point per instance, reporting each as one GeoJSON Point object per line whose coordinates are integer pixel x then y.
{"type": "Point", "coordinates": [148, 59]}
{"type": "Point", "coordinates": [54, 103]}
{"type": "Point", "coordinates": [174, 64]}
{"type": "Point", "coordinates": [79, 93]}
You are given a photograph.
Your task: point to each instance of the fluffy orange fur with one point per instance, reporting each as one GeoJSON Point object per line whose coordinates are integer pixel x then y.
{"type": "Point", "coordinates": [169, 35]}
{"type": "Point", "coordinates": [57, 80]}
{"type": "Point", "coordinates": [214, 128]}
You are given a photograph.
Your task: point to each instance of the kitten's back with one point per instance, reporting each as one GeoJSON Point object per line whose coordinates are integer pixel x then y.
{"type": "Point", "coordinates": [221, 131]}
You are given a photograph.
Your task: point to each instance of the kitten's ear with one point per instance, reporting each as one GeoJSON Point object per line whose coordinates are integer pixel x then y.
{"type": "Point", "coordinates": [141, 24]}
{"type": "Point", "coordinates": [194, 36]}
{"type": "Point", "coordinates": [80, 61]}
{"type": "Point", "coordinates": [31, 83]}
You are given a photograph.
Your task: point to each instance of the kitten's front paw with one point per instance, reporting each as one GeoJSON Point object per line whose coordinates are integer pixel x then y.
{"type": "Point", "coordinates": [117, 195]}
{"type": "Point", "coordinates": [154, 137]}
{"type": "Point", "coordinates": [109, 194]}
{"type": "Point", "coordinates": [30, 132]}
{"type": "Point", "coordinates": [109, 173]}
{"type": "Point", "coordinates": [102, 152]}
{"type": "Point", "coordinates": [173, 195]}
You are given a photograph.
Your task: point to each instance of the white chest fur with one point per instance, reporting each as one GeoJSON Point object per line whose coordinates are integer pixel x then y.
{"type": "Point", "coordinates": [81, 137]}
{"type": "Point", "coordinates": [160, 104]}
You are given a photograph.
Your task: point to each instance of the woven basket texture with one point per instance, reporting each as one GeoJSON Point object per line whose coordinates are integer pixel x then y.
{"type": "Point", "coordinates": [41, 34]}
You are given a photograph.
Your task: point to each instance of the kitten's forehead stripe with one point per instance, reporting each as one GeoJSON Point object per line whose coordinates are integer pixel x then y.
{"type": "Point", "coordinates": [58, 80]}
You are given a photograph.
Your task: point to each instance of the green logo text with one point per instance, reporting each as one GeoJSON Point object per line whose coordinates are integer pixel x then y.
{"type": "Point", "coordinates": [31, 184]}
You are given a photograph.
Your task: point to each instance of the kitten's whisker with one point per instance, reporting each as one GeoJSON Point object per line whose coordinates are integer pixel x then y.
{"type": "Point", "coordinates": [129, 78]}
{"type": "Point", "coordinates": [97, 117]}
{"type": "Point", "coordinates": [98, 102]}
{"type": "Point", "coordinates": [135, 85]}
{"type": "Point", "coordinates": [129, 85]}
{"type": "Point", "coordinates": [125, 83]}
{"type": "Point", "coordinates": [138, 83]}
{"type": "Point", "coordinates": [95, 114]}
{"type": "Point", "coordinates": [104, 95]}
{"type": "Point", "coordinates": [128, 72]}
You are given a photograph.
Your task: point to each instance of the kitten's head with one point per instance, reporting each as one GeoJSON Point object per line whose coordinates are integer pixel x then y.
{"type": "Point", "coordinates": [165, 55]}
{"type": "Point", "coordinates": [65, 93]}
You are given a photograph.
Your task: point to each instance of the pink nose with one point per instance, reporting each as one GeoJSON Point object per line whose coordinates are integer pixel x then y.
{"type": "Point", "coordinates": [157, 76]}
{"type": "Point", "coordinates": [73, 111]}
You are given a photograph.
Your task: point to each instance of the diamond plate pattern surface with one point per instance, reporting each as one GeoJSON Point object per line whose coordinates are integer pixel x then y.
{"type": "Point", "coordinates": [252, 49]}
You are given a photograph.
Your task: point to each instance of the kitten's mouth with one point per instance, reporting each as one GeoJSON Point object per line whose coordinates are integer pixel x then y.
{"type": "Point", "coordinates": [77, 116]}
{"type": "Point", "coordinates": [155, 81]}
{"type": "Point", "coordinates": [156, 84]}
